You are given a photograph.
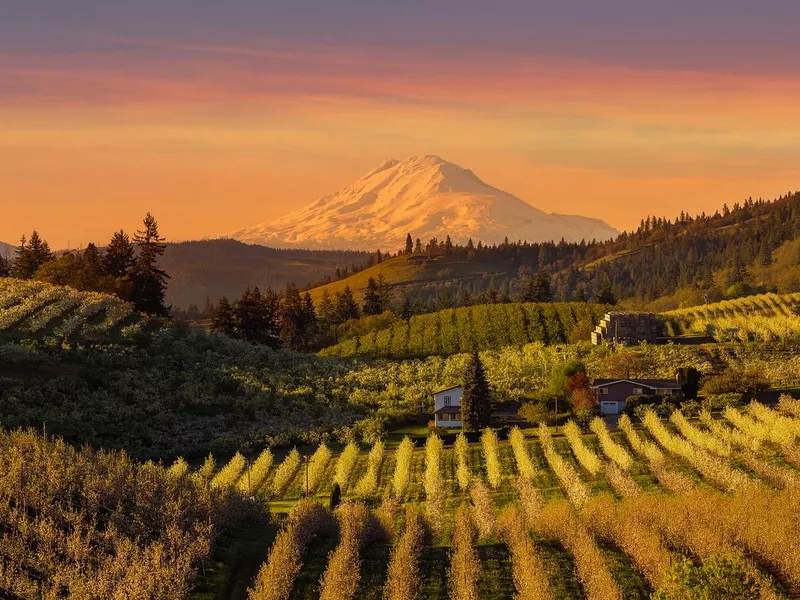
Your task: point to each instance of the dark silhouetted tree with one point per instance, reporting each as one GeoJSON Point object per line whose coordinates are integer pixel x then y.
{"type": "Point", "coordinates": [223, 319]}
{"type": "Point", "coordinates": [476, 400]}
{"type": "Point", "coordinates": [120, 255]}
{"type": "Point", "coordinates": [149, 281]}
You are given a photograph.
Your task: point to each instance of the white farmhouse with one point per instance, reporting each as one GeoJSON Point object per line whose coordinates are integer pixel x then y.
{"type": "Point", "coordinates": [447, 407]}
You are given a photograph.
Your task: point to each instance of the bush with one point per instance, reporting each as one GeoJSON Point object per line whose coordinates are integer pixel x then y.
{"type": "Point", "coordinates": [746, 381]}
{"type": "Point", "coordinates": [718, 578]}
{"type": "Point", "coordinates": [691, 408]}
{"type": "Point", "coordinates": [632, 402]}
{"type": "Point", "coordinates": [717, 402]}
{"type": "Point", "coordinates": [536, 412]}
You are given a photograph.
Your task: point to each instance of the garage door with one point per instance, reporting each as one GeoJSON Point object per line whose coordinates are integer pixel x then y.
{"type": "Point", "coordinates": [609, 407]}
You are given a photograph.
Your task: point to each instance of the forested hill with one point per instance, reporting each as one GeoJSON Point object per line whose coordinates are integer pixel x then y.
{"type": "Point", "coordinates": [217, 268]}
{"type": "Point", "coordinates": [684, 259]}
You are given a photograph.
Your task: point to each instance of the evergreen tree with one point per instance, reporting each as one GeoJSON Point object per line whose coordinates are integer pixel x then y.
{"type": "Point", "coordinates": [409, 244]}
{"type": "Point", "coordinates": [120, 255]}
{"type": "Point", "coordinates": [223, 320]}
{"type": "Point", "coordinates": [327, 310]}
{"type": "Point", "coordinates": [346, 306]}
{"type": "Point", "coordinates": [372, 300]}
{"type": "Point", "coordinates": [418, 246]}
{"type": "Point", "coordinates": [606, 294]}
{"type": "Point", "coordinates": [406, 308]}
{"type": "Point", "coordinates": [292, 318]}
{"type": "Point", "coordinates": [541, 287]}
{"type": "Point", "coordinates": [149, 281]}
{"type": "Point", "coordinates": [5, 267]}
{"type": "Point", "coordinates": [310, 326]}
{"type": "Point", "coordinates": [23, 267]}
{"type": "Point", "coordinates": [385, 292]}
{"type": "Point", "coordinates": [92, 258]}
{"type": "Point", "coordinates": [31, 254]}
{"type": "Point", "coordinates": [476, 398]}
{"type": "Point", "coordinates": [580, 294]}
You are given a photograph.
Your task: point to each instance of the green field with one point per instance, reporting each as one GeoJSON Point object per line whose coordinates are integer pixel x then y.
{"type": "Point", "coordinates": [474, 329]}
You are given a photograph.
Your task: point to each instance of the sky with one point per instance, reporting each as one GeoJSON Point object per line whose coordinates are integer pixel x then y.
{"type": "Point", "coordinates": [217, 116]}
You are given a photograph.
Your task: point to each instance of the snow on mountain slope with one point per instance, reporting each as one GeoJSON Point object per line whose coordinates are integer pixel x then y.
{"type": "Point", "coordinates": [426, 197]}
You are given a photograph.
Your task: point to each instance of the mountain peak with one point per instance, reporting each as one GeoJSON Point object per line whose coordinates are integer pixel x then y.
{"type": "Point", "coordinates": [427, 197]}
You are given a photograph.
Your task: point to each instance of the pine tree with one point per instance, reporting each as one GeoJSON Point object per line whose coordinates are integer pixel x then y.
{"type": "Point", "coordinates": [208, 308]}
{"type": "Point", "coordinates": [346, 307]}
{"type": "Point", "coordinates": [409, 244]}
{"type": "Point", "coordinates": [149, 281]}
{"type": "Point", "coordinates": [418, 246]}
{"type": "Point", "coordinates": [372, 300]}
{"type": "Point", "coordinates": [38, 250]}
{"type": "Point", "coordinates": [120, 255]}
{"type": "Point", "coordinates": [92, 259]}
{"type": "Point", "coordinates": [31, 254]}
{"type": "Point", "coordinates": [5, 267]}
{"type": "Point", "coordinates": [222, 320]}
{"type": "Point", "coordinates": [606, 294]}
{"type": "Point", "coordinates": [385, 292]}
{"type": "Point", "coordinates": [23, 267]}
{"type": "Point", "coordinates": [580, 293]}
{"type": "Point", "coordinates": [292, 318]}
{"type": "Point", "coordinates": [541, 287]}
{"type": "Point", "coordinates": [327, 309]}
{"type": "Point", "coordinates": [476, 397]}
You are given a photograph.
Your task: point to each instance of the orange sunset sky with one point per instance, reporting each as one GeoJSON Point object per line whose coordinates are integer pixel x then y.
{"type": "Point", "coordinates": [216, 120]}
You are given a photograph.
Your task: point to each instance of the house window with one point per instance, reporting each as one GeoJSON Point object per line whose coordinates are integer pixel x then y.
{"type": "Point", "coordinates": [663, 391]}
{"type": "Point", "coordinates": [447, 400]}
{"type": "Point", "coordinates": [604, 390]}
{"type": "Point", "coordinates": [444, 417]}
{"type": "Point", "coordinates": [637, 390]}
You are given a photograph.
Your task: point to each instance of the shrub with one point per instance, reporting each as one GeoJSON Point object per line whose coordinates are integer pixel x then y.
{"type": "Point", "coordinates": [336, 497]}
{"type": "Point", "coordinates": [719, 577]}
{"type": "Point", "coordinates": [346, 464]}
{"type": "Point", "coordinates": [402, 469]}
{"type": "Point", "coordinates": [536, 412]}
{"type": "Point", "coordinates": [403, 578]}
{"type": "Point", "coordinates": [465, 564]}
{"type": "Point", "coordinates": [521, 456]}
{"type": "Point", "coordinates": [748, 381]}
{"type": "Point", "coordinates": [483, 508]}
{"type": "Point", "coordinates": [718, 402]}
{"type": "Point", "coordinates": [492, 455]}
{"type": "Point", "coordinates": [462, 469]}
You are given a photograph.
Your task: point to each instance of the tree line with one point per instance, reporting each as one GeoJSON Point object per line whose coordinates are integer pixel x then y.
{"type": "Point", "coordinates": [290, 318]}
{"type": "Point", "coordinates": [127, 267]}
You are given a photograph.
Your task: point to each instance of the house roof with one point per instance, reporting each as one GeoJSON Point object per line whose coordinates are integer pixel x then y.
{"type": "Point", "coordinates": [656, 384]}
{"type": "Point", "coordinates": [448, 410]}
{"type": "Point", "coordinates": [446, 389]}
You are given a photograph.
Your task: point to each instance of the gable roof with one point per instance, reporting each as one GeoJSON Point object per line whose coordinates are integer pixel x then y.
{"type": "Point", "coordinates": [447, 389]}
{"type": "Point", "coordinates": [669, 384]}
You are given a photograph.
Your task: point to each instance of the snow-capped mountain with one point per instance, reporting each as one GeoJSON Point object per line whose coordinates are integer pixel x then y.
{"type": "Point", "coordinates": [426, 197]}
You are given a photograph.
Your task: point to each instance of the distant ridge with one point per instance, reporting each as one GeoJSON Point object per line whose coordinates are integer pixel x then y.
{"type": "Point", "coordinates": [427, 197]}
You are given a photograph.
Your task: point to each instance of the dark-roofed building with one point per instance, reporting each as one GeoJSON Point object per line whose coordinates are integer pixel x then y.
{"type": "Point", "coordinates": [611, 393]}
{"type": "Point", "coordinates": [447, 406]}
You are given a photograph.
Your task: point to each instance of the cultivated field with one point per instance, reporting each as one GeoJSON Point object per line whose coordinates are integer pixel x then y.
{"type": "Point", "coordinates": [39, 309]}
{"type": "Point", "coordinates": [774, 314]}
{"type": "Point", "coordinates": [476, 328]}
{"type": "Point", "coordinates": [542, 515]}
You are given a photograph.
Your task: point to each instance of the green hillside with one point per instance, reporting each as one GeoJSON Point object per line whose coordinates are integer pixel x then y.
{"type": "Point", "coordinates": [34, 309]}
{"type": "Point", "coordinates": [697, 319]}
{"type": "Point", "coordinates": [474, 329]}
{"type": "Point", "coordinates": [409, 274]}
